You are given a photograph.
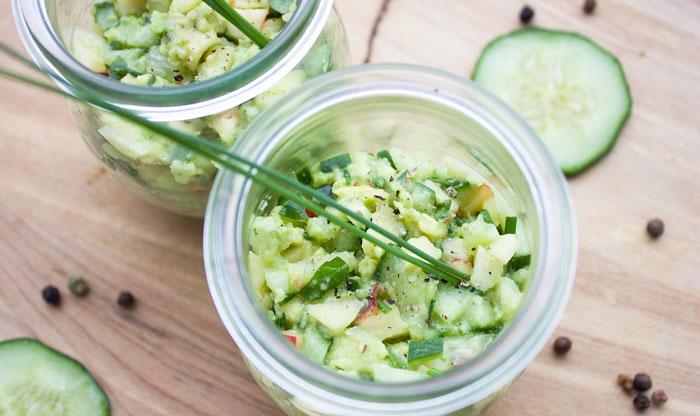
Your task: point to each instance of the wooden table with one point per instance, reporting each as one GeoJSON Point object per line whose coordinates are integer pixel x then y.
{"type": "Point", "coordinates": [635, 305]}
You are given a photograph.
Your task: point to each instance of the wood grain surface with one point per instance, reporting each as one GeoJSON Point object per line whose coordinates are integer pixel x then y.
{"type": "Point", "coordinates": [635, 305]}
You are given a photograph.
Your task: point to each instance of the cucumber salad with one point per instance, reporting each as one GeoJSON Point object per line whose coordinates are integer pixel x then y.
{"type": "Point", "coordinates": [348, 305]}
{"type": "Point", "coordinates": [167, 43]}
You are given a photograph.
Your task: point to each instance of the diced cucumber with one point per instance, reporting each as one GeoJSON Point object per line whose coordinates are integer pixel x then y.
{"type": "Point", "coordinates": [479, 314]}
{"type": "Point", "coordinates": [487, 269]}
{"type": "Point", "coordinates": [336, 314]}
{"type": "Point", "coordinates": [505, 247]}
{"type": "Point", "coordinates": [37, 380]}
{"type": "Point", "coordinates": [508, 298]}
{"type": "Point", "coordinates": [571, 91]}
{"type": "Point", "coordinates": [424, 198]}
{"type": "Point", "coordinates": [386, 374]}
{"type": "Point", "coordinates": [385, 325]}
{"type": "Point", "coordinates": [315, 345]}
{"type": "Point", "coordinates": [459, 350]}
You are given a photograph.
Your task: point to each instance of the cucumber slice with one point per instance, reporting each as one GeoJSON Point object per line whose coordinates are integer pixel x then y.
{"type": "Point", "coordinates": [37, 380]}
{"type": "Point", "coordinates": [571, 91]}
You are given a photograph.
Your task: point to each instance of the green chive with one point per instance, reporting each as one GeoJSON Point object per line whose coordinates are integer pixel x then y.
{"type": "Point", "coordinates": [486, 216]}
{"type": "Point", "coordinates": [383, 306]}
{"type": "Point", "coordinates": [336, 162]}
{"type": "Point", "coordinates": [293, 211]}
{"type": "Point", "coordinates": [424, 350]}
{"type": "Point", "coordinates": [229, 13]}
{"type": "Point", "coordinates": [225, 158]}
{"type": "Point", "coordinates": [519, 261]}
{"type": "Point", "coordinates": [395, 361]}
{"type": "Point", "coordinates": [328, 276]}
{"type": "Point", "coordinates": [384, 154]}
{"type": "Point", "coordinates": [304, 175]}
{"type": "Point", "coordinates": [511, 223]}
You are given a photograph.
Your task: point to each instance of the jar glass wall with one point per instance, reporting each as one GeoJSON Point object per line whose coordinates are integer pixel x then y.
{"type": "Point", "coordinates": [312, 42]}
{"type": "Point", "coordinates": [417, 109]}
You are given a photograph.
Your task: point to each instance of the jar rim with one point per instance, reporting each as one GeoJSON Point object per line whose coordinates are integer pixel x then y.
{"type": "Point", "coordinates": [515, 347]}
{"type": "Point", "coordinates": [189, 101]}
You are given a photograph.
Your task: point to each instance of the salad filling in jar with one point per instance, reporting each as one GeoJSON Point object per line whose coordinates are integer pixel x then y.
{"type": "Point", "coordinates": [351, 306]}
{"type": "Point", "coordinates": [179, 61]}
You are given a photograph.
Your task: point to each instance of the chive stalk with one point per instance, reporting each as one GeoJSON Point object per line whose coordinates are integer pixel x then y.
{"type": "Point", "coordinates": [233, 161]}
{"type": "Point", "coordinates": [229, 13]}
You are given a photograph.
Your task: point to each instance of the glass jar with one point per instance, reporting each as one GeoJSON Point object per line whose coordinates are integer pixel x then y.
{"type": "Point", "coordinates": [312, 42]}
{"type": "Point", "coordinates": [418, 109]}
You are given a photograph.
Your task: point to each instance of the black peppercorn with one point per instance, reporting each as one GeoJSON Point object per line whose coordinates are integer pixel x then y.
{"type": "Point", "coordinates": [78, 286]}
{"type": "Point", "coordinates": [642, 382]}
{"type": "Point", "coordinates": [526, 14]}
{"type": "Point", "coordinates": [655, 228]}
{"type": "Point", "coordinates": [125, 300]}
{"type": "Point", "coordinates": [589, 6]}
{"type": "Point", "coordinates": [178, 77]}
{"type": "Point", "coordinates": [659, 397]}
{"type": "Point", "coordinates": [51, 295]}
{"type": "Point", "coordinates": [641, 402]}
{"type": "Point", "coordinates": [562, 345]}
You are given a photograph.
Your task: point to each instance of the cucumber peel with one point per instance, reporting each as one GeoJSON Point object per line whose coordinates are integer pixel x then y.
{"type": "Point", "coordinates": [570, 90]}
{"type": "Point", "coordinates": [38, 380]}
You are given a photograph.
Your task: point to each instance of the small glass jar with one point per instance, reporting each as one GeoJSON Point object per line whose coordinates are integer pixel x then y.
{"type": "Point", "coordinates": [312, 42]}
{"type": "Point", "coordinates": [417, 109]}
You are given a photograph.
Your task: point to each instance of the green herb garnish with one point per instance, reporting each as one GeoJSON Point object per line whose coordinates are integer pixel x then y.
{"type": "Point", "coordinates": [511, 223]}
{"type": "Point", "coordinates": [424, 350]}
{"type": "Point", "coordinates": [328, 276]}
{"type": "Point", "coordinates": [383, 306]}
{"type": "Point", "coordinates": [336, 162]}
{"type": "Point", "coordinates": [384, 154]}
{"type": "Point", "coordinates": [293, 211]}
{"type": "Point", "coordinates": [304, 175]}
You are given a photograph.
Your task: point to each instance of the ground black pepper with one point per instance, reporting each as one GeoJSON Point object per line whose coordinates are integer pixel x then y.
{"type": "Point", "coordinates": [178, 77]}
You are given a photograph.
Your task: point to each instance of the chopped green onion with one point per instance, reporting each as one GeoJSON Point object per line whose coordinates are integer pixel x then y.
{"type": "Point", "coordinates": [455, 183]}
{"type": "Point", "coordinates": [353, 284]}
{"type": "Point", "coordinates": [347, 177]}
{"type": "Point", "coordinates": [486, 216]}
{"type": "Point", "coordinates": [424, 350]}
{"type": "Point", "coordinates": [519, 261]}
{"type": "Point", "coordinates": [384, 154]}
{"type": "Point", "coordinates": [511, 223]}
{"type": "Point", "coordinates": [304, 175]}
{"type": "Point", "coordinates": [395, 361]}
{"type": "Point", "coordinates": [378, 181]}
{"type": "Point", "coordinates": [442, 209]}
{"type": "Point", "coordinates": [287, 299]}
{"type": "Point", "coordinates": [336, 162]}
{"type": "Point", "coordinates": [293, 211]}
{"type": "Point", "coordinates": [383, 306]}
{"type": "Point", "coordinates": [433, 372]}
{"type": "Point", "coordinates": [328, 276]}
{"type": "Point", "coordinates": [281, 322]}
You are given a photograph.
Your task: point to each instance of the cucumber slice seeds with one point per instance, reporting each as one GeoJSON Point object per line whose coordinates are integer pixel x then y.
{"type": "Point", "coordinates": [36, 380]}
{"type": "Point", "coordinates": [571, 91]}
